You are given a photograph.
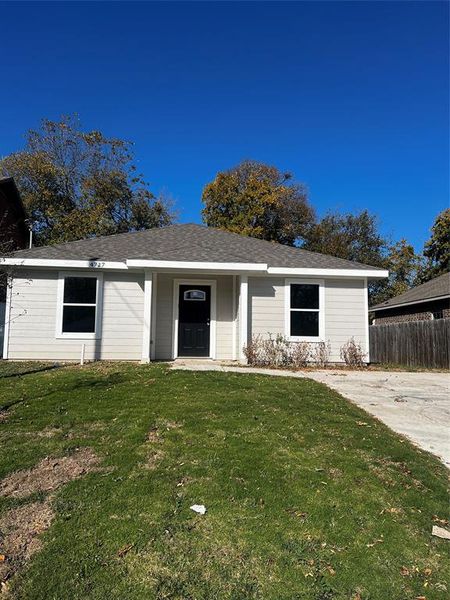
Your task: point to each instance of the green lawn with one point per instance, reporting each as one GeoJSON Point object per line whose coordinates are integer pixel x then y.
{"type": "Point", "coordinates": [307, 496]}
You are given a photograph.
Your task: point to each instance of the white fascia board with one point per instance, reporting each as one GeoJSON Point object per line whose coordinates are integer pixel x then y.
{"type": "Point", "coordinates": [195, 266]}
{"type": "Point", "coordinates": [62, 264]}
{"type": "Point", "coordinates": [304, 272]}
{"type": "Point", "coordinates": [400, 305]}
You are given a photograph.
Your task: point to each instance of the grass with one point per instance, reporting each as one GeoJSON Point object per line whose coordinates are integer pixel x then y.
{"type": "Point", "coordinates": [307, 496]}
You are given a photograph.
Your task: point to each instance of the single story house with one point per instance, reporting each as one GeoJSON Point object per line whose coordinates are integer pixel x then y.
{"type": "Point", "coordinates": [431, 300]}
{"type": "Point", "coordinates": [179, 291]}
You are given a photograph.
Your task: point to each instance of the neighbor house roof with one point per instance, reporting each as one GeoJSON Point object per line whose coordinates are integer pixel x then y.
{"type": "Point", "coordinates": [192, 243]}
{"type": "Point", "coordinates": [439, 287]}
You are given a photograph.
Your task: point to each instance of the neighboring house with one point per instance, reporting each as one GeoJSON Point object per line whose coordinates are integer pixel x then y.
{"type": "Point", "coordinates": [431, 300]}
{"type": "Point", "coordinates": [184, 290]}
{"type": "Point", "coordinates": [13, 234]}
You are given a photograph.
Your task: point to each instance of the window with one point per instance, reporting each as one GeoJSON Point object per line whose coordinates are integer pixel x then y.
{"type": "Point", "coordinates": [304, 310]}
{"type": "Point", "coordinates": [78, 306]}
{"type": "Point", "coordinates": [195, 295]}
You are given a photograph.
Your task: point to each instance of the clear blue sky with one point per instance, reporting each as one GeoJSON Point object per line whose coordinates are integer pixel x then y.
{"type": "Point", "coordinates": [352, 97]}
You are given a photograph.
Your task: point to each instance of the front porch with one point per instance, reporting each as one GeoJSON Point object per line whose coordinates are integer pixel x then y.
{"type": "Point", "coordinates": [192, 315]}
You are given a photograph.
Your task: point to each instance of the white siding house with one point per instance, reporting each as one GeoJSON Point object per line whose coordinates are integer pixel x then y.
{"type": "Point", "coordinates": [136, 297]}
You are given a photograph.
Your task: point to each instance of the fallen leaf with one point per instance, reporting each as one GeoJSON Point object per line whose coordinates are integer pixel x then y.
{"type": "Point", "coordinates": [2, 557]}
{"type": "Point", "coordinates": [379, 541]}
{"type": "Point", "coordinates": [404, 571]}
{"type": "Point", "coordinates": [391, 510]}
{"type": "Point", "coordinates": [330, 570]}
{"type": "Point", "coordinates": [124, 550]}
{"type": "Point", "coordinates": [436, 519]}
{"type": "Point", "coordinates": [427, 572]}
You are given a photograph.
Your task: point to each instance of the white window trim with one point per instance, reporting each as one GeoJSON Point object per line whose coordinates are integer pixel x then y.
{"type": "Point", "coordinates": [320, 310]}
{"type": "Point", "coordinates": [212, 283]}
{"type": "Point", "coordinates": [60, 304]}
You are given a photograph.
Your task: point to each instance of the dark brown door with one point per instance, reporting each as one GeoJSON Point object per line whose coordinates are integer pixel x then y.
{"type": "Point", "coordinates": [194, 313]}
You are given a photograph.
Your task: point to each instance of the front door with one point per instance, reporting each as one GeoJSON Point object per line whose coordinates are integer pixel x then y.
{"type": "Point", "coordinates": [194, 313]}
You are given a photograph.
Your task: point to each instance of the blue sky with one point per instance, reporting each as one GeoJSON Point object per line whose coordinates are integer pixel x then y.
{"type": "Point", "coordinates": [352, 97]}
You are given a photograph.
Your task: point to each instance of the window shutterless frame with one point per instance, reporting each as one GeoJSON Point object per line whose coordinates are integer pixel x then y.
{"type": "Point", "coordinates": [96, 334]}
{"type": "Point", "coordinates": [320, 310]}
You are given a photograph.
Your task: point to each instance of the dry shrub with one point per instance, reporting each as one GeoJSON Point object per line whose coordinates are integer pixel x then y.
{"type": "Point", "coordinates": [278, 351]}
{"type": "Point", "coordinates": [321, 354]}
{"type": "Point", "coordinates": [352, 353]}
{"type": "Point", "coordinates": [270, 352]}
{"type": "Point", "coordinates": [300, 354]}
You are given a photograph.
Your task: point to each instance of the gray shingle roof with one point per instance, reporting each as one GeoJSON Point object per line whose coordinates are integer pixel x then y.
{"type": "Point", "coordinates": [189, 242]}
{"type": "Point", "coordinates": [435, 288]}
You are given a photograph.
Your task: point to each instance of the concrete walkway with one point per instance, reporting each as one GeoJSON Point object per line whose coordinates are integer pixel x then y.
{"type": "Point", "coordinates": [416, 405]}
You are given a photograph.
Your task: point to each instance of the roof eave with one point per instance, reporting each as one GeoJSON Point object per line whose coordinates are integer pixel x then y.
{"type": "Point", "coordinates": [400, 304]}
{"type": "Point", "coordinates": [236, 267]}
{"type": "Point", "coordinates": [195, 265]}
{"type": "Point", "coordinates": [62, 263]}
{"type": "Point", "coordinates": [344, 272]}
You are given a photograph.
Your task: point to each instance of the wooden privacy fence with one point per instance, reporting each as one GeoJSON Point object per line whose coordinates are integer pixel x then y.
{"type": "Point", "coordinates": [418, 343]}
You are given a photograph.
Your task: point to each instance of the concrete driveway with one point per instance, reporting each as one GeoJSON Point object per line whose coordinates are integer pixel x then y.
{"type": "Point", "coordinates": [416, 405]}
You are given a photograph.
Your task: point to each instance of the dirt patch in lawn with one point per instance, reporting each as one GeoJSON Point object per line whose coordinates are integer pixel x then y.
{"type": "Point", "coordinates": [156, 432]}
{"type": "Point", "coordinates": [154, 459]}
{"type": "Point", "coordinates": [19, 535]}
{"type": "Point", "coordinates": [21, 527]}
{"type": "Point", "coordinates": [49, 474]}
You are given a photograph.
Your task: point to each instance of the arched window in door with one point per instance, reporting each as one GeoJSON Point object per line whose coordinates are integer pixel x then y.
{"type": "Point", "coordinates": [194, 295]}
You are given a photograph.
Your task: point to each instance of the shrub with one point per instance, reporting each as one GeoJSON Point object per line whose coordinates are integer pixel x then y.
{"type": "Point", "coordinates": [271, 352]}
{"type": "Point", "coordinates": [275, 351]}
{"type": "Point", "coordinates": [251, 350]}
{"type": "Point", "coordinates": [352, 353]}
{"type": "Point", "coordinates": [278, 351]}
{"type": "Point", "coordinates": [321, 354]}
{"type": "Point", "coordinates": [300, 353]}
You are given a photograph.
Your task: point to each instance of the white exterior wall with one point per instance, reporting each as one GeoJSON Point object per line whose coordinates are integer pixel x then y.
{"type": "Point", "coordinates": [32, 323]}
{"type": "Point", "coordinates": [345, 313]}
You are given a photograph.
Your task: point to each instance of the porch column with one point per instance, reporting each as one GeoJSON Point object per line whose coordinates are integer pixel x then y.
{"type": "Point", "coordinates": [153, 317]}
{"type": "Point", "coordinates": [147, 320]}
{"type": "Point", "coordinates": [243, 315]}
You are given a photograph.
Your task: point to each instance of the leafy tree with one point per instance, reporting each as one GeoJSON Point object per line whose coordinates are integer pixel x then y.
{"type": "Point", "coordinates": [437, 249]}
{"type": "Point", "coordinates": [349, 236]}
{"type": "Point", "coordinates": [260, 201]}
{"type": "Point", "coordinates": [403, 265]}
{"type": "Point", "coordinates": [76, 184]}
{"type": "Point", "coordinates": [356, 237]}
